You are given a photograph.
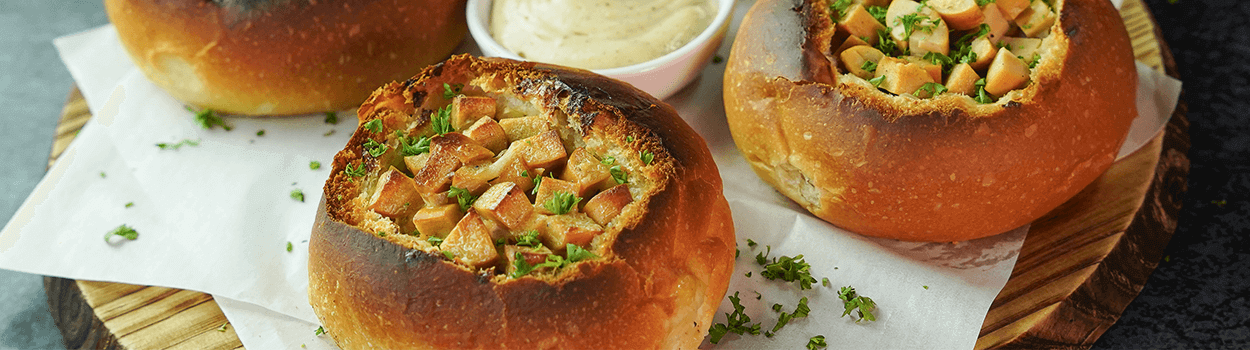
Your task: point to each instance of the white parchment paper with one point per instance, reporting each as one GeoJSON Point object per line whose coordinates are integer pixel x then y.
{"type": "Point", "coordinates": [217, 217]}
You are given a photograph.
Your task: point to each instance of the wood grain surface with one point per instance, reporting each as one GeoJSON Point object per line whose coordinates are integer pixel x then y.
{"type": "Point", "coordinates": [1080, 265]}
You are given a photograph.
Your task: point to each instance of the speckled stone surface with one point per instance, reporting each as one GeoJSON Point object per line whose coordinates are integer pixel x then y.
{"type": "Point", "coordinates": [1197, 297]}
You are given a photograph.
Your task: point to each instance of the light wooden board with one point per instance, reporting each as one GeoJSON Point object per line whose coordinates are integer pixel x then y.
{"type": "Point", "coordinates": [1079, 268]}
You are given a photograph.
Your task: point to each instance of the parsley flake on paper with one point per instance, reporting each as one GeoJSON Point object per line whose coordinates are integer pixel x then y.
{"type": "Point", "coordinates": [123, 231]}
{"type": "Point", "coordinates": [862, 305]}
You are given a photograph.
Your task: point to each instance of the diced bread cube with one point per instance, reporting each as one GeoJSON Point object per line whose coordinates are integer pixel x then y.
{"type": "Point", "coordinates": [507, 204]}
{"type": "Point", "coordinates": [963, 80]}
{"type": "Point", "coordinates": [437, 221]}
{"type": "Point", "coordinates": [558, 231]}
{"type": "Point", "coordinates": [547, 190]}
{"type": "Point", "coordinates": [851, 41]}
{"type": "Point", "coordinates": [514, 170]}
{"type": "Point", "coordinates": [998, 24]}
{"type": "Point", "coordinates": [415, 163]}
{"type": "Point", "coordinates": [934, 37]}
{"type": "Point", "coordinates": [860, 24]}
{"type": "Point", "coordinates": [901, 77]}
{"type": "Point", "coordinates": [473, 178]}
{"type": "Point", "coordinates": [396, 196]}
{"type": "Point", "coordinates": [470, 242]}
{"type": "Point", "coordinates": [467, 109]}
{"type": "Point", "coordinates": [1007, 73]}
{"type": "Point", "coordinates": [1011, 8]}
{"type": "Point", "coordinates": [606, 205]}
{"type": "Point", "coordinates": [985, 50]}
{"type": "Point", "coordinates": [460, 146]}
{"type": "Point", "coordinates": [436, 175]}
{"type": "Point", "coordinates": [544, 150]}
{"type": "Point", "coordinates": [524, 127]}
{"type": "Point", "coordinates": [586, 171]}
{"type": "Point", "coordinates": [489, 134]}
{"type": "Point", "coordinates": [1023, 47]}
{"type": "Point", "coordinates": [934, 69]}
{"type": "Point", "coordinates": [853, 59]}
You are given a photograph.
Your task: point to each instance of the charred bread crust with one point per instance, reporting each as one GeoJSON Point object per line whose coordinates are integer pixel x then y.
{"type": "Point", "coordinates": [278, 57]}
{"type": "Point", "coordinates": [656, 285]}
{"type": "Point", "coordinates": [940, 169]}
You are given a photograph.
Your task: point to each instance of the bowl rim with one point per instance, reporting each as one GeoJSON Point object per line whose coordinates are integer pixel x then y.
{"type": "Point", "coordinates": [478, 29]}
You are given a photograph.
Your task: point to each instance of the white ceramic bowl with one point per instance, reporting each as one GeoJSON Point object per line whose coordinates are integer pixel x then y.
{"type": "Point", "coordinates": [660, 77]}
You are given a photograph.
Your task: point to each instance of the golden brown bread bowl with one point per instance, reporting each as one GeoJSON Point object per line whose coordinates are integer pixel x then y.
{"type": "Point", "coordinates": [885, 144]}
{"type": "Point", "coordinates": [435, 231]}
{"type": "Point", "coordinates": [281, 57]}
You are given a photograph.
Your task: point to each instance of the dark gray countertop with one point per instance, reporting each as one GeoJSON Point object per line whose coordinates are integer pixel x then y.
{"type": "Point", "coordinates": [1197, 298]}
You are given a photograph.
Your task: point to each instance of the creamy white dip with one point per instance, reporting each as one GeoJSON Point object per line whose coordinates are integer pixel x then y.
{"type": "Point", "coordinates": [594, 34]}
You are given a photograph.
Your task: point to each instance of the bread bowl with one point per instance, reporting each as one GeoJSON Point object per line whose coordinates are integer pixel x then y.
{"type": "Point", "coordinates": [280, 57]}
{"type": "Point", "coordinates": [398, 260]}
{"type": "Point", "coordinates": [908, 163]}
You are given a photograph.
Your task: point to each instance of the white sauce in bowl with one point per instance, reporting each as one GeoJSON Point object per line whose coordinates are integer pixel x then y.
{"type": "Point", "coordinates": [597, 34]}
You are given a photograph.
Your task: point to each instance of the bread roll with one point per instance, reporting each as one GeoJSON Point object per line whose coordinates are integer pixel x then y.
{"type": "Point", "coordinates": [928, 163]}
{"type": "Point", "coordinates": [409, 252]}
{"type": "Point", "coordinates": [278, 57]}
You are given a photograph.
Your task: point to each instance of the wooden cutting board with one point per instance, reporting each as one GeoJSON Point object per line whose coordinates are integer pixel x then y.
{"type": "Point", "coordinates": [1079, 268]}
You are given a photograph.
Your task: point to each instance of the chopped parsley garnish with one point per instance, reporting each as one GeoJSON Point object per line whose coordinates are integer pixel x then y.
{"type": "Point", "coordinates": [838, 9]}
{"type": "Point", "coordinates": [790, 270]}
{"type": "Point", "coordinates": [561, 202]}
{"type": "Point", "coordinates": [522, 267]}
{"type": "Point", "coordinates": [933, 89]}
{"type": "Point", "coordinates": [736, 322]}
{"type": "Point", "coordinates": [538, 181]}
{"type": "Point", "coordinates": [208, 118]}
{"type": "Point", "coordinates": [412, 146]}
{"type": "Point", "coordinates": [449, 255]}
{"type": "Point", "coordinates": [864, 306]}
{"type": "Point", "coordinates": [607, 160]}
{"type": "Point", "coordinates": [982, 3]}
{"type": "Point", "coordinates": [751, 243]}
{"type": "Point", "coordinates": [374, 148]}
{"type": "Point", "coordinates": [358, 171]}
{"type": "Point", "coordinates": [913, 21]}
{"type": "Point", "coordinates": [462, 196]}
{"type": "Point", "coordinates": [575, 254]}
{"type": "Point", "coordinates": [328, 133]}
{"type": "Point", "coordinates": [320, 330]}
{"type": "Point", "coordinates": [869, 66]}
{"type": "Point", "coordinates": [434, 241]}
{"type": "Point", "coordinates": [260, 132]}
{"type": "Point", "coordinates": [646, 156]}
{"type": "Point", "coordinates": [940, 59]}
{"type": "Point", "coordinates": [223, 327]}
{"type": "Point", "coordinates": [876, 82]}
{"type": "Point", "coordinates": [1037, 57]}
{"type": "Point", "coordinates": [103, 175]}
{"type": "Point", "coordinates": [289, 246]}
{"type": "Point", "coordinates": [886, 44]}
{"type": "Point", "coordinates": [926, 287]}
{"type": "Point", "coordinates": [374, 125]}
{"type": "Point", "coordinates": [442, 121]}
{"type": "Point", "coordinates": [332, 118]}
{"type": "Point", "coordinates": [800, 311]}
{"type": "Point", "coordinates": [717, 59]}
{"type": "Point", "coordinates": [314, 165]}
{"type": "Point", "coordinates": [824, 281]}
{"type": "Point", "coordinates": [619, 174]}
{"type": "Point", "coordinates": [818, 342]}
{"type": "Point", "coordinates": [982, 30]}
{"type": "Point", "coordinates": [130, 204]}
{"type": "Point", "coordinates": [982, 96]}
{"type": "Point", "coordinates": [529, 239]}
{"type": "Point", "coordinates": [123, 231]}
{"type": "Point", "coordinates": [877, 12]}
{"type": "Point", "coordinates": [179, 144]}
{"type": "Point", "coordinates": [629, 138]}
{"type": "Point", "coordinates": [450, 91]}
{"type": "Point", "coordinates": [298, 195]}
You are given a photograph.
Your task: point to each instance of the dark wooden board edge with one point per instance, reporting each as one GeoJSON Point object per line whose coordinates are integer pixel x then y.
{"type": "Point", "coordinates": [77, 321]}
{"type": "Point", "coordinates": [1101, 299]}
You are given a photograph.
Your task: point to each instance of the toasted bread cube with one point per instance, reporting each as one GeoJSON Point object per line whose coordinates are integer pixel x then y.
{"type": "Point", "coordinates": [473, 178]}
{"type": "Point", "coordinates": [860, 24]}
{"type": "Point", "coordinates": [959, 14]}
{"type": "Point", "coordinates": [547, 192]}
{"type": "Point", "coordinates": [470, 242]}
{"type": "Point", "coordinates": [415, 163]}
{"type": "Point", "coordinates": [586, 172]}
{"type": "Point", "coordinates": [1036, 20]}
{"type": "Point", "coordinates": [985, 50]}
{"type": "Point", "coordinates": [898, 10]}
{"type": "Point", "coordinates": [998, 24]}
{"type": "Point", "coordinates": [853, 59]}
{"type": "Point", "coordinates": [963, 80]}
{"type": "Point", "coordinates": [467, 109]}
{"type": "Point", "coordinates": [851, 41]}
{"type": "Point", "coordinates": [934, 70]}
{"type": "Point", "coordinates": [1007, 73]}
{"type": "Point", "coordinates": [544, 150]}
{"type": "Point", "coordinates": [489, 134]}
{"type": "Point", "coordinates": [396, 195]}
{"type": "Point", "coordinates": [1012, 8]}
{"type": "Point", "coordinates": [525, 127]}
{"type": "Point", "coordinates": [531, 255]}
{"type": "Point", "coordinates": [901, 77]}
{"type": "Point", "coordinates": [514, 170]}
{"type": "Point", "coordinates": [507, 204]}
{"type": "Point", "coordinates": [460, 146]}
{"type": "Point", "coordinates": [606, 205]}
{"type": "Point", "coordinates": [436, 175]}
{"type": "Point", "coordinates": [1023, 47]}
{"type": "Point", "coordinates": [558, 231]}
{"type": "Point", "coordinates": [437, 221]}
